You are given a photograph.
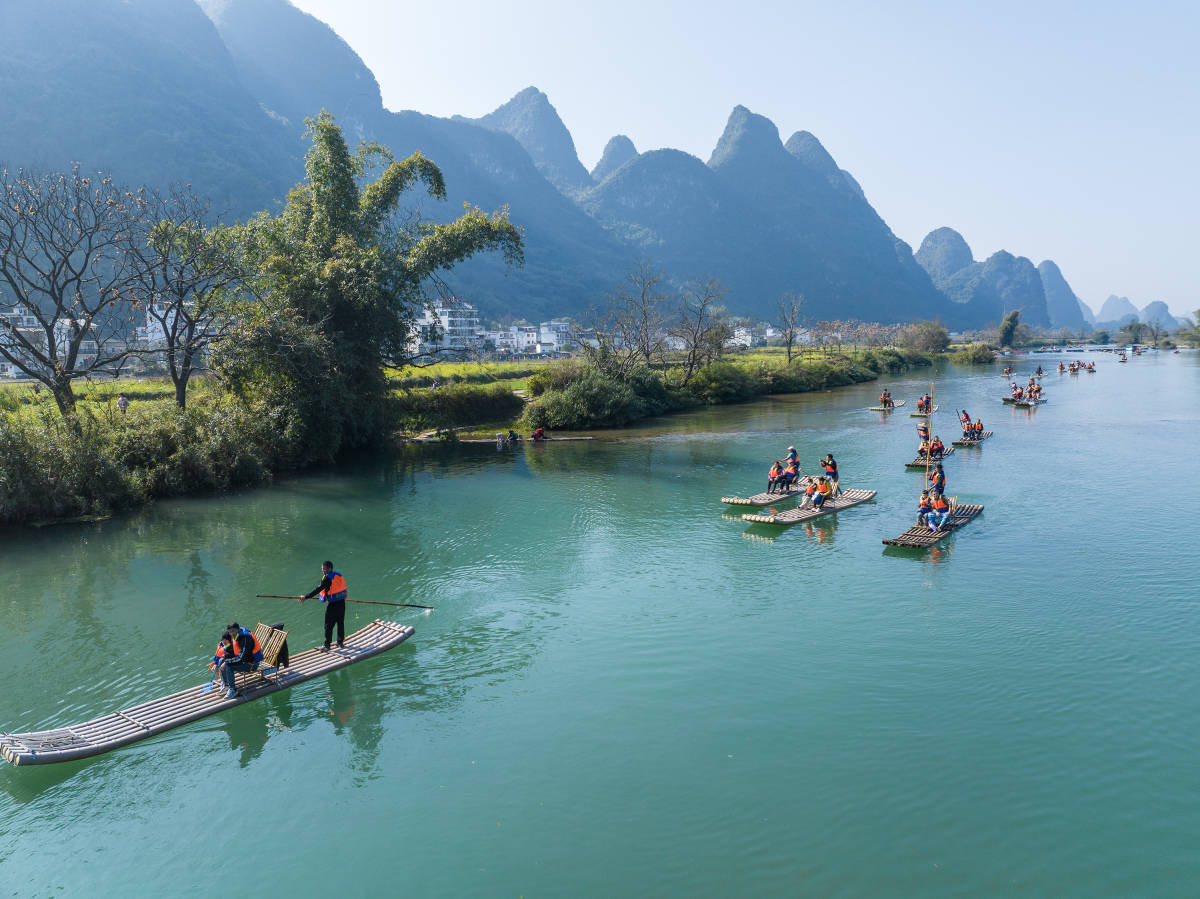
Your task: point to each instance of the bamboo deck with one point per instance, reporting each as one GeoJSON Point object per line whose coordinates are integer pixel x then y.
{"type": "Point", "coordinates": [919, 462]}
{"type": "Point", "coordinates": [973, 441]}
{"type": "Point", "coordinates": [765, 499]}
{"type": "Point", "coordinates": [922, 414]}
{"type": "Point", "coordinates": [131, 725]}
{"type": "Point", "coordinates": [1028, 404]}
{"type": "Point", "coordinates": [921, 537]}
{"type": "Point", "coordinates": [794, 516]}
{"type": "Point", "coordinates": [890, 408]}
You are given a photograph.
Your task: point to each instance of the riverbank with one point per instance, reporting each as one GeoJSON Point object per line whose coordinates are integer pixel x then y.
{"type": "Point", "coordinates": [105, 461]}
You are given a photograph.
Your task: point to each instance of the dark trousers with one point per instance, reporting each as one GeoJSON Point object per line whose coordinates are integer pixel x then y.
{"type": "Point", "coordinates": [335, 613]}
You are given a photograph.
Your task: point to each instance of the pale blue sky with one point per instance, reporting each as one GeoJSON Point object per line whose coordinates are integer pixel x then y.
{"type": "Point", "coordinates": [1054, 130]}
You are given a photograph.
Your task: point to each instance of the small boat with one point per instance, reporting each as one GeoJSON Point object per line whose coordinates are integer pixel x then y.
{"type": "Point", "coordinates": [130, 725]}
{"type": "Point", "coordinates": [845, 500]}
{"type": "Point", "coordinates": [923, 414]}
{"type": "Point", "coordinates": [919, 462]}
{"type": "Point", "coordinates": [887, 408]}
{"type": "Point", "coordinates": [974, 441]}
{"type": "Point", "coordinates": [765, 499]}
{"type": "Point", "coordinates": [921, 537]}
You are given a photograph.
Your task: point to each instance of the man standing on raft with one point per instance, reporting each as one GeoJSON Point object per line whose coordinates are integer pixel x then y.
{"type": "Point", "coordinates": [333, 593]}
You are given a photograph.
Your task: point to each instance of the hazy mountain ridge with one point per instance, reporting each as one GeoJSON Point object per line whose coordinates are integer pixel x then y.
{"type": "Point", "coordinates": [218, 97]}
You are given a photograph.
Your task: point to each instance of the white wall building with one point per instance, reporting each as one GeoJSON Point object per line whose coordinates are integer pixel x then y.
{"type": "Point", "coordinates": [452, 324]}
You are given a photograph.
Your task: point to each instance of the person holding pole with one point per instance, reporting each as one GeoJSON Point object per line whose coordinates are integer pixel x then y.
{"type": "Point", "coordinates": [332, 591]}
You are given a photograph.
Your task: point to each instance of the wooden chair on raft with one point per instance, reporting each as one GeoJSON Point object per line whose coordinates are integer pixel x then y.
{"type": "Point", "coordinates": [273, 641]}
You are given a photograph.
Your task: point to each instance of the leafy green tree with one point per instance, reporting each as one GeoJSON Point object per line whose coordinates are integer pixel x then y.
{"type": "Point", "coordinates": [1132, 332]}
{"type": "Point", "coordinates": [1007, 332]}
{"type": "Point", "coordinates": [1189, 331]}
{"type": "Point", "coordinates": [1100, 337]}
{"type": "Point", "coordinates": [927, 337]}
{"type": "Point", "coordinates": [345, 269]}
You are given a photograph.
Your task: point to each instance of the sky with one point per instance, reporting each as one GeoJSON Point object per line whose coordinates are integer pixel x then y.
{"type": "Point", "coordinates": [1053, 130]}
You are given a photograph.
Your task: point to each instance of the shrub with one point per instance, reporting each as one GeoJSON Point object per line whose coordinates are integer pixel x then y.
{"type": "Point", "coordinates": [975, 354]}
{"type": "Point", "coordinates": [451, 407]}
{"type": "Point", "coordinates": [723, 382]}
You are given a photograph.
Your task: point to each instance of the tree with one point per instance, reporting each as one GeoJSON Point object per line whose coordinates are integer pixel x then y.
{"type": "Point", "coordinates": [789, 309]}
{"type": "Point", "coordinates": [1100, 337]}
{"type": "Point", "coordinates": [1131, 332]}
{"type": "Point", "coordinates": [67, 291]}
{"type": "Point", "coordinates": [340, 261]}
{"type": "Point", "coordinates": [1154, 330]}
{"type": "Point", "coordinates": [1007, 332]}
{"type": "Point", "coordinates": [632, 330]}
{"type": "Point", "coordinates": [702, 327]}
{"type": "Point", "coordinates": [1189, 331]}
{"type": "Point", "coordinates": [926, 336]}
{"type": "Point", "coordinates": [189, 271]}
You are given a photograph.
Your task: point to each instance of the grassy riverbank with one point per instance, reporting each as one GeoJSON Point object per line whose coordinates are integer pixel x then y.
{"type": "Point", "coordinates": [102, 460]}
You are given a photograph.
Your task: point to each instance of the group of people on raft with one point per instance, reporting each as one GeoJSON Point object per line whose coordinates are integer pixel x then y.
{"type": "Point", "coordinates": [934, 449]}
{"type": "Point", "coordinates": [1032, 392]}
{"type": "Point", "coordinates": [786, 474]}
{"type": "Point", "coordinates": [925, 404]}
{"type": "Point", "coordinates": [1076, 367]}
{"type": "Point", "coordinates": [886, 401]}
{"type": "Point", "coordinates": [970, 431]}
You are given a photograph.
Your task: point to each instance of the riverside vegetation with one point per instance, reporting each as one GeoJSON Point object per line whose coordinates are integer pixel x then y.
{"type": "Point", "coordinates": [313, 303]}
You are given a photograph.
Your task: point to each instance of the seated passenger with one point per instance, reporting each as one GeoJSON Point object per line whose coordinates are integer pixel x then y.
{"type": "Point", "coordinates": [937, 448]}
{"type": "Point", "coordinates": [924, 509]}
{"type": "Point", "coordinates": [773, 476]}
{"type": "Point", "coordinates": [940, 514]}
{"type": "Point", "coordinates": [822, 493]}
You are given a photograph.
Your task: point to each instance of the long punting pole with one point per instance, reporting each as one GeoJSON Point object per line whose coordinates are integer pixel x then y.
{"type": "Point", "coordinates": [365, 602]}
{"type": "Point", "coordinates": [929, 428]}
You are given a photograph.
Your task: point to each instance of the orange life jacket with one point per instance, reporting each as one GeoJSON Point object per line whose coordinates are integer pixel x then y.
{"type": "Point", "coordinates": [825, 489]}
{"type": "Point", "coordinates": [337, 588]}
{"type": "Point", "coordinates": [940, 503]}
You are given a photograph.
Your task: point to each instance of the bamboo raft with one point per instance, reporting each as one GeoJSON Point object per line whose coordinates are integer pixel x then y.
{"type": "Point", "coordinates": [973, 441]}
{"type": "Point", "coordinates": [1028, 404]}
{"type": "Point", "coordinates": [920, 461]}
{"type": "Point", "coordinates": [890, 408]}
{"type": "Point", "coordinates": [131, 725]}
{"type": "Point", "coordinates": [921, 537]}
{"type": "Point", "coordinates": [765, 499]}
{"type": "Point", "coordinates": [847, 499]}
{"type": "Point", "coordinates": [922, 414]}
{"type": "Point", "coordinates": [492, 440]}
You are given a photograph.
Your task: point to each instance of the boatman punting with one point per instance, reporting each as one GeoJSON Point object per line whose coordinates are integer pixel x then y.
{"type": "Point", "coordinates": [332, 591]}
{"type": "Point", "coordinates": [885, 400]}
{"type": "Point", "coordinates": [925, 403]}
{"type": "Point", "coordinates": [964, 419]}
{"type": "Point", "coordinates": [831, 472]}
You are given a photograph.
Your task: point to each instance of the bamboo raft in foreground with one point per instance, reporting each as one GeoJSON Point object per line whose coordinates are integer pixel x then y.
{"type": "Point", "coordinates": [921, 537]}
{"type": "Point", "coordinates": [765, 499]}
{"type": "Point", "coordinates": [131, 725]}
{"type": "Point", "coordinates": [847, 499]}
{"type": "Point", "coordinates": [922, 414]}
{"type": "Point", "coordinates": [974, 441]}
{"type": "Point", "coordinates": [920, 461]}
{"type": "Point", "coordinates": [890, 408]}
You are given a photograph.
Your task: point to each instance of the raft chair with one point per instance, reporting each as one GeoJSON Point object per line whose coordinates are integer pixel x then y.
{"type": "Point", "coordinates": [273, 640]}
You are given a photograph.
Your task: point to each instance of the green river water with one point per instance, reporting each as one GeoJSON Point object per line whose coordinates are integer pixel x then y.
{"type": "Point", "coordinates": [627, 691]}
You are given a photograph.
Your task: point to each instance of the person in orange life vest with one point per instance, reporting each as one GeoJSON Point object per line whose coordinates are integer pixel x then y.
{"type": "Point", "coordinates": [242, 654]}
{"type": "Point", "coordinates": [977, 428]}
{"type": "Point", "coordinates": [885, 399]}
{"type": "Point", "coordinates": [224, 647]}
{"type": "Point", "coordinates": [923, 450]}
{"type": "Point", "coordinates": [937, 479]}
{"type": "Point", "coordinates": [332, 590]}
{"type": "Point", "coordinates": [937, 447]}
{"type": "Point", "coordinates": [773, 476]}
{"type": "Point", "coordinates": [810, 491]}
{"type": "Point", "coordinates": [790, 475]}
{"type": "Point", "coordinates": [822, 493]}
{"type": "Point", "coordinates": [924, 508]}
{"type": "Point", "coordinates": [792, 456]}
{"type": "Point", "coordinates": [831, 472]}
{"type": "Point", "coordinates": [964, 419]}
{"type": "Point", "coordinates": [940, 514]}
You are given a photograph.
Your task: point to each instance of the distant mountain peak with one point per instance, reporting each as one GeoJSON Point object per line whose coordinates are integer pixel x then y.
{"type": "Point", "coordinates": [943, 253]}
{"type": "Point", "coordinates": [1116, 308]}
{"type": "Point", "coordinates": [534, 122]}
{"type": "Point", "coordinates": [1061, 303]}
{"type": "Point", "coordinates": [618, 151]}
{"type": "Point", "coordinates": [747, 137]}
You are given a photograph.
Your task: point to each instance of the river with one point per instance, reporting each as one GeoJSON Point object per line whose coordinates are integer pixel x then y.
{"type": "Point", "coordinates": [625, 690]}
